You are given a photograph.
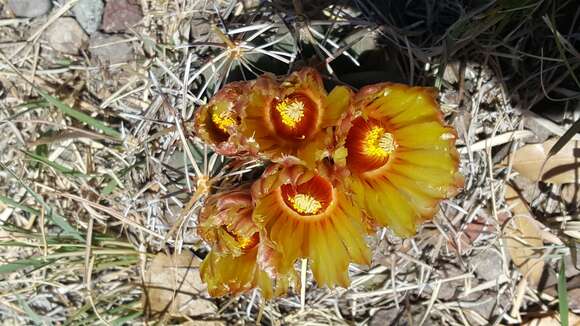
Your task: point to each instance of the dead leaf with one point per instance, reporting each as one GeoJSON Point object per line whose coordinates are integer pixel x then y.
{"type": "Point", "coordinates": [173, 284]}
{"type": "Point", "coordinates": [564, 167]}
{"type": "Point", "coordinates": [572, 229]}
{"type": "Point", "coordinates": [470, 233]}
{"type": "Point", "coordinates": [524, 239]}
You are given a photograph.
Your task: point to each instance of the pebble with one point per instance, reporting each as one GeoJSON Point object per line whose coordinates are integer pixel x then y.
{"type": "Point", "coordinates": [66, 35]}
{"type": "Point", "coordinates": [89, 13]}
{"type": "Point", "coordinates": [119, 15]}
{"type": "Point", "coordinates": [488, 264]}
{"type": "Point", "coordinates": [30, 8]}
{"type": "Point", "coordinates": [110, 49]}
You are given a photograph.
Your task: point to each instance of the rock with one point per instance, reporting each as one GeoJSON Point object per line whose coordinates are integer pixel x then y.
{"type": "Point", "coordinates": [574, 297]}
{"type": "Point", "coordinates": [541, 133]}
{"type": "Point", "coordinates": [405, 316]}
{"type": "Point", "coordinates": [450, 289]}
{"type": "Point", "coordinates": [110, 49]}
{"type": "Point", "coordinates": [119, 15]}
{"type": "Point", "coordinates": [89, 13]}
{"type": "Point", "coordinates": [487, 304]}
{"type": "Point", "coordinates": [172, 284]}
{"type": "Point", "coordinates": [488, 264]}
{"type": "Point", "coordinates": [384, 317]}
{"type": "Point", "coordinates": [30, 8]}
{"type": "Point", "coordinates": [66, 35]}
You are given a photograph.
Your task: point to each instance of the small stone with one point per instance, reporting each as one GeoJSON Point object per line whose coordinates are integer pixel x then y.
{"type": "Point", "coordinates": [119, 15]}
{"type": "Point", "coordinates": [574, 303]}
{"type": "Point", "coordinates": [451, 289]}
{"type": "Point", "coordinates": [110, 49]}
{"type": "Point", "coordinates": [487, 304]}
{"type": "Point", "coordinates": [89, 13]}
{"type": "Point", "coordinates": [384, 317]}
{"type": "Point", "coordinates": [488, 264]}
{"type": "Point", "coordinates": [410, 315]}
{"type": "Point", "coordinates": [30, 8]}
{"type": "Point", "coordinates": [66, 35]}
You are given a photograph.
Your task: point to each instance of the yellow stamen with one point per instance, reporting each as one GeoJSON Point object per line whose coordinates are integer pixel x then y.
{"type": "Point", "coordinates": [222, 120]}
{"type": "Point", "coordinates": [305, 204]}
{"type": "Point", "coordinates": [291, 111]}
{"type": "Point", "coordinates": [243, 242]}
{"type": "Point", "coordinates": [246, 242]}
{"type": "Point", "coordinates": [378, 143]}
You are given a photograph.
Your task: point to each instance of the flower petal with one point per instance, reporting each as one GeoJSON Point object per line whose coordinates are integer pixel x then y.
{"type": "Point", "coordinates": [401, 155]}
{"type": "Point", "coordinates": [426, 135]}
{"type": "Point", "coordinates": [336, 105]}
{"type": "Point", "coordinates": [229, 275]}
{"type": "Point", "coordinates": [294, 118]}
{"type": "Point", "coordinates": [218, 122]}
{"type": "Point", "coordinates": [225, 222]}
{"type": "Point", "coordinates": [306, 218]}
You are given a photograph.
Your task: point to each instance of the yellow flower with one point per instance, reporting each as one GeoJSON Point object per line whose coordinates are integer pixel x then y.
{"type": "Point", "coordinates": [294, 118]}
{"type": "Point", "coordinates": [231, 267]}
{"type": "Point", "coordinates": [305, 213]}
{"type": "Point", "coordinates": [218, 122]}
{"type": "Point", "coordinates": [225, 222]}
{"type": "Point", "coordinates": [401, 155]}
{"type": "Point", "coordinates": [231, 275]}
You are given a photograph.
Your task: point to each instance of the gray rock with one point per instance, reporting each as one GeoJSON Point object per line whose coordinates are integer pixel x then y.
{"type": "Point", "coordinates": [110, 49]}
{"type": "Point", "coordinates": [66, 35]}
{"type": "Point", "coordinates": [451, 289]}
{"type": "Point", "coordinates": [30, 8]}
{"type": "Point", "coordinates": [405, 316]}
{"type": "Point", "coordinates": [488, 264]}
{"type": "Point", "coordinates": [89, 14]}
{"type": "Point", "coordinates": [120, 14]}
{"type": "Point", "coordinates": [384, 317]}
{"type": "Point", "coordinates": [487, 304]}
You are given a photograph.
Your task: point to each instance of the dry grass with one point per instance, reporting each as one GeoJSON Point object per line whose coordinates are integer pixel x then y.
{"type": "Point", "coordinates": [87, 198]}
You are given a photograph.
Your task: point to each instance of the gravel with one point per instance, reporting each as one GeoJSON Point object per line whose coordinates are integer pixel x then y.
{"type": "Point", "coordinates": [30, 8]}
{"type": "Point", "coordinates": [66, 35]}
{"type": "Point", "coordinates": [89, 14]}
{"type": "Point", "coordinates": [110, 49]}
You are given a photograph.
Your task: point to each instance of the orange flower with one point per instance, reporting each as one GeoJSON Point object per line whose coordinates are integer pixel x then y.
{"type": "Point", "coordinates": [231, 267]}
{"type": "Point", "coordinates": [225, 222]}
{"type": "Point", "coordinates": [231, 275]}
{"type": "Point", "coordinates": [218, 122]}
{"type": "Point", "coordinates": [401, 155]}
{"type": "Point", "coordinates": [305, 213]}
{"type": "Point", "coordinates": [294, 118]}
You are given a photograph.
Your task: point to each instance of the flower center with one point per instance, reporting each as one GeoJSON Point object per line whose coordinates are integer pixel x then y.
{"type": "Point", "coordinates": [305, 204]}
{"type": "Point", "coordinates": [248, 242]}
{"type": "Point", "coordinates": [244, 243]}
{"type": "Point", "coordinates": [378, 143]}
{"type": "Point", "coordinates": [222, 120]}
{"type": "Point", "coordinates": [295, 117]}
{"type": "Point", "coordinates": [291, 112]}
{"type": "Point", "coordinates": [309, 198]}
{"type": "Point", "coordinates": [369, 145]}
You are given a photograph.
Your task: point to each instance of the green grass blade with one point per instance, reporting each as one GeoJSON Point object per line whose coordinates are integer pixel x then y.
{"type": "Point", "coordinates": [126, 319]}
{"type": "Point", "coordinates": [563, 294]}
{"type": "Point", "coordinates": [35, 262]}
{"type": "Point", "coordinates": [80, 116]}
{"type": "Point", "coordinates": [14, 204]}
{"type": "Point", "coordinates": [64, 108]}
{"type": "Point", "coordinates": [50, 213]}
{"type": "Point", "coordinates": [54, 165]}
{"type": "Point", "coordinates": [31, 314]}
{"type": "Point", "coordinates": [111, 185]}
